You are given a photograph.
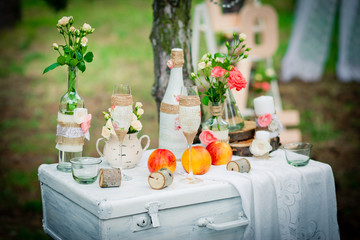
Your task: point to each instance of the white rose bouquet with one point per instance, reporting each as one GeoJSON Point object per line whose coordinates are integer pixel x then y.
{"type": "Point", "coordinates": [135, 125]}
{"type": "Point", "coordinates": [74, 50]}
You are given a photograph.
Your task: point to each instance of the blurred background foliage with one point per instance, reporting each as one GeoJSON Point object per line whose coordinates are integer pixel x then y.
{"type": "Point", "coordinates": [123, 53]}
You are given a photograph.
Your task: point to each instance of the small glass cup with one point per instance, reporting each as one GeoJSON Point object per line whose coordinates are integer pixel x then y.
{"type": "Point", "coordinates": [85, 170]}
{"type": "Point", "coordinates": [297, 154]}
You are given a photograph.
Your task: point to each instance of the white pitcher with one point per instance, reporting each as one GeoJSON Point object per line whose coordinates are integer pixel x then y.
{"type": "Point", "coordinates": [131, 150]}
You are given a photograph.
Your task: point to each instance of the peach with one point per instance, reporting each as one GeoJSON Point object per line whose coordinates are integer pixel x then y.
{"type": "Point", "coordinates": [201, 160]}
{"type": "Point", "coordinates": [161, 158]}
{"type": "Point", "coordinates": [221, 153]}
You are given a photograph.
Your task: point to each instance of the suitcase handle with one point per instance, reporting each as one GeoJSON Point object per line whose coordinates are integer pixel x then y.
{"type": "Point", "coordinates": [208, 222]}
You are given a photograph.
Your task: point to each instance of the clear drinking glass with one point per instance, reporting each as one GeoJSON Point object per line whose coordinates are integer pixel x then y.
{"type": "Point", "coordinates": [190, 119]}
{"type": "Point", "coordinates": [297, 154]}
{"type": "Point", "coordinates": [85, 170]}
{"type": "Point", "coordinates": [122, 116]}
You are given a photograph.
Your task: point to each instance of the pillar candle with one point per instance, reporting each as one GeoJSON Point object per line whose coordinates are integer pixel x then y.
{"type": "Point", "coordinates": [262, 135]}
{"type": "Point", "coordinates": [263, 105]}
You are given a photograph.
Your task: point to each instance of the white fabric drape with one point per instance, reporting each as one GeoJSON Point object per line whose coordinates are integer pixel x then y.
{"type": "Point", "coordinates": [309, 43]}
{"type": "Point", "coordinates": [348, 66]}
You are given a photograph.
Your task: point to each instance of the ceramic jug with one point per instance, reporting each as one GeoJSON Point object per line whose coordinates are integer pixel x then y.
{"type": "Point", "coordinates": [131, 150]}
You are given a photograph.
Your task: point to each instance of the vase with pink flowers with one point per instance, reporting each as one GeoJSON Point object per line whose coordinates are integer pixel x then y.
{"type": "Point", "coordinates": [217, 75]}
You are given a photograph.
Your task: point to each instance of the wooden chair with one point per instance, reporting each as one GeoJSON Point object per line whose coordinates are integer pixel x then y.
{"type": "Point", "coordinates": [253, 19]}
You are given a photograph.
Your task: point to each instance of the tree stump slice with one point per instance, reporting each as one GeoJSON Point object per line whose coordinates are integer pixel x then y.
{"type": "Point", "coordinates": [241, 148]}
{"type": "Point", "coordinates": [246, 133]}
{"type": "Point", "coordinates": [275, 143]}
{"type": "Point", "coordinates": [160, 179]}
{"type": "Point", "coordinates": [241, 165]}
{"type": "Point", "coordinates": [109, 177]}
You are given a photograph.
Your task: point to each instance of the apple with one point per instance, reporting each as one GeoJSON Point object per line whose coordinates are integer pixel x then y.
{"type": "Point", "coordinates": [201, 160]}
{"type": "Point", "coordinates": [221, 153]}
{"type": "Point", "coordinates": [161, 158]}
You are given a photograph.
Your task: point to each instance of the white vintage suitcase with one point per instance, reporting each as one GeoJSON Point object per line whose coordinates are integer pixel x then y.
{"type": "Point", "coordinates": [209, 210]}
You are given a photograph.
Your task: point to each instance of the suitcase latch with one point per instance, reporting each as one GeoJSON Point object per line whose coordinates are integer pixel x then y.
{"type": "Point", "coordinates": [153, 209]}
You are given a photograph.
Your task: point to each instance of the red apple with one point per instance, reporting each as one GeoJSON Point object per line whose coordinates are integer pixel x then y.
{"type": "Point", "coordinates": [161, 158]}
{"type": "Point", "coordinates": [201, 160]}
{"type": "Point", "coordinates": [221, 153]}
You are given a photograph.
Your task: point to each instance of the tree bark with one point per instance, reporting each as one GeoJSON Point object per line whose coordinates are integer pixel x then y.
{"type": "Point", "coordinates": [171, 29]}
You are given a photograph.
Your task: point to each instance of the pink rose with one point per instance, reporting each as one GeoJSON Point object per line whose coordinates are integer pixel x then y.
{"type": "Point", "coordinates": [170, 64]}
{"type": "Point", "coordinates": [177, 98]}
{"type": "Point", "coordinates": [86, 124]}
{"type": "Point", "coordinates": [236, 80]}
{"type": "Point", "coordinates": [264, 120]}
{"type": "Point", "coordinates": [257, 85]}
{"type": "Point", "coordinates": [265, 86]}
{"type": "Point", "coordinates": [217, 72]}
{"type": "Point", "coordinates": [112, 107]}
{"type": "Point", "coordinates": [177, 126]}
{"type": "Point", "coordinates": [207, 137]}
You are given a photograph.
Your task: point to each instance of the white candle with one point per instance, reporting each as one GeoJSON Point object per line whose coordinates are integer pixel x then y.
{"type": "Point", "coordinates": [263, 105]}
{"type": "Point", "coordinates": [262, 135]}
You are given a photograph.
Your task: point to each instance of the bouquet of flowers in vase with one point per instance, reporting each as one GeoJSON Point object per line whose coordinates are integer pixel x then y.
{"type": "Point", "coordinates": [217, 73]}
{"type": "Point", "coordinates": [135, 125]}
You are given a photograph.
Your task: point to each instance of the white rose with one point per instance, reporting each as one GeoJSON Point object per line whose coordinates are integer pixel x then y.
{"type": "Point", "coordinates": [208, 64]}
{"type": "Point", "coordinates": [136, 124]}
{"type": "Point", "coordinates": [72, 29]}
{"type": "Point", "coordinates": [105, 132]}
{"type": "Point", "coordinates": [260, 147]}
{"type": "Point", "coordinates": [110, 126]}
{"type": "Point", "coordinates": [134, 117]}
{"type": "Point", "coordinates": [84, 41]}
{"type": "Point", "coordinates": [270, 72]}
{"type": "Point", "coordinates": [56, 47]}
{"type": "Point", "coordinates": [138, 104]}
{"type": "Point", "coordinates": [273, 126]}
{"type": "Point", "coordinates": [140, 112]}
{"type": "Point", "coordinates": [86, 27]}
{"type": "Point", "coordinates": [242, 36]}
{"type": "Point", "coordinates": [217, 59]}
{"type": "Point", "coordinates": [80, 115]}
{"type": "Point", "coordinates": [64, 21]}
{"type": "Point", "coordinates": [201, 65]}
{"type": "Point", "coordinates": [204, 56]}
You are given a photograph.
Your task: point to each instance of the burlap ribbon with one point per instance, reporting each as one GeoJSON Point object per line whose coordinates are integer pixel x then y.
{"type": "Point", "coordinates": [216, 110]}
{"type": "Point", "coordinates": [224, 140]}
{"type": "Point", "coordinates": [169, 108]}
{"type": "Point", "coordinates": [177, 56]}
{"type": "Point", "coordinates": [70, 141]}
{"type": "Point", "coordinates": [121, 100]}
{"type": "Point", "coordinates": [68, 124]}
{"type": "Point", "coordinates": [189, 101]}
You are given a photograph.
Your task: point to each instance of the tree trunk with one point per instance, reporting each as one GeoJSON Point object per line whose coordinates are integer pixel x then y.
{"type": "Point", "coordinates": [171, 29]}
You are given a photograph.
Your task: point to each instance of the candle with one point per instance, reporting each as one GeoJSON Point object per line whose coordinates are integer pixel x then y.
{"type": "Point", "coordinates": [262, 135]}
{"type": "Point", "coordinates": [263, 105]}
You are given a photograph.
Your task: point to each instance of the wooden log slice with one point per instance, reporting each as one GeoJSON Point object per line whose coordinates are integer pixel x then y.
{"type": "Point", "coordinates": [275, 143]}
{"type": "Point", "coordinates": [109, 177]}
{"type": "Point", "coordinates": [160, 179]}
{"type": "Point", "coordinates": [241, 148]}
{"type": "Point", "coordinates": [247, 132]}
{"type": "Point", "coordinates": [241, 165]}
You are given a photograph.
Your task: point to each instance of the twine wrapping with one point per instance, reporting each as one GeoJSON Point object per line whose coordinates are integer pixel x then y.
{"type": "Point", "coordinates": [224, 140]}
{"type": "Point", "coordinates": [68, 124]}
{"type": "Point", "coordinates": [70, 141]}
{"type": "Point", "coordinates": [120, 133]}
{"type": "Point", "coordinates": [121, 100]}
{"type": "Point", "coordinates": [177, 56]}
{"type": "Point", "coordinates": [190, 137]}
{"type": "Point", "coordinates": [169, 108]}
{"type": "Point", "coordinates": [189, 101]}
{"type": "Point", "coordinates": [216, 110]}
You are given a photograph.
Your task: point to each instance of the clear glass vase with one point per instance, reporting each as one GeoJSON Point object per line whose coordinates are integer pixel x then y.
{"type": "Point", "coordinates": [232, 113]}
{"type": "Point", "coordinates": [68, 102]}
{"type": "Point", "coordinates": [216, 122]}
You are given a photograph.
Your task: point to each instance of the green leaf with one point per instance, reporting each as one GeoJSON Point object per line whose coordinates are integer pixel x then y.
{"type": "Point", "coordinates": [61, 60]}
{"type": "Point", "coordinates": [74, 62]}
{"type": "Point", "coordinates": [51, 67]}
{"type": "Point", "coordinates": [89, 57]}
{"type": "Point", "coordinates": [219, 55]}
{"type": "Point", "coordinates": [83, 50]}
{"type": "Point", "coordinates": [82, 66]}
{"type": "Point", "coordinates": [79, 56]}
{"type": "Point", "coordinates": [205, 100]}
